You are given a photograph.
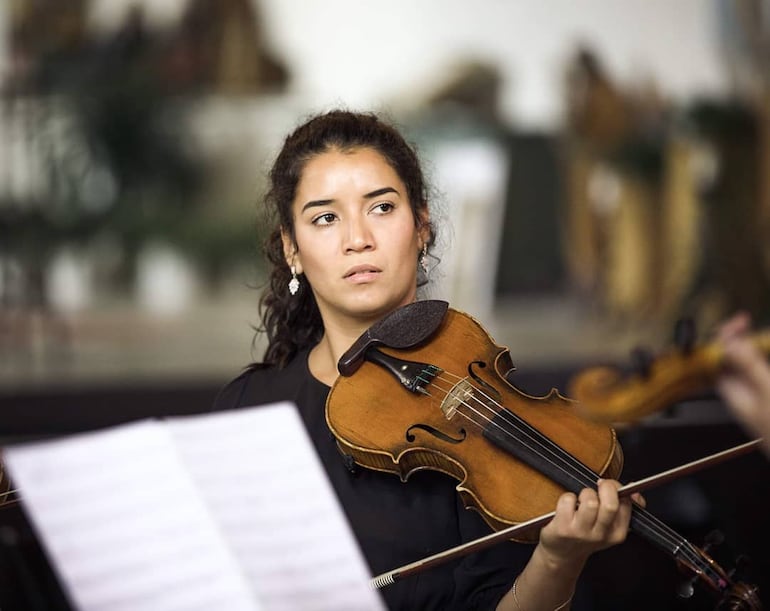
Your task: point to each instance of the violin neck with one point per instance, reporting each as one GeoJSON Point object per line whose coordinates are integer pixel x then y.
{"type": "Point", "coordinates": [646, 525]}
{"type": "Point", "coordinates": [573, 475]}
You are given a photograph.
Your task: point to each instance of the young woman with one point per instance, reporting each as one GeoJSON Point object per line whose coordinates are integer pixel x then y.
{"type": "Point", "coordinates": [352, 227]}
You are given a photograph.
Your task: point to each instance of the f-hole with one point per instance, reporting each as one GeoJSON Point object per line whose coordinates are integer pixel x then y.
{"type": "Point", "coordinates": [491, 390]}
{"type": "Point", "coordinates": [410, 437]}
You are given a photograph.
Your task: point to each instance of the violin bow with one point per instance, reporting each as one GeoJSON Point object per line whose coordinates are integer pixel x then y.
{"type": "Point", "coordinates": [418, 566]}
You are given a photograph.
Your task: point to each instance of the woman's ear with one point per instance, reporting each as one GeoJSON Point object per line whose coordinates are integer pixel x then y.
{"type": "Point", "coordinates": [423, 227]}
{"type": "Point", "coordinates": [290, 251]}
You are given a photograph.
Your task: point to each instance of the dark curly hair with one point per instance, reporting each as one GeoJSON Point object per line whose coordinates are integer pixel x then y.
{"type": "Point", "coordinates": [293, 322]}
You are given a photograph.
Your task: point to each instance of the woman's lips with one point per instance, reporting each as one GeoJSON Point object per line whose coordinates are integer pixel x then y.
{"type": "Point", "coordinates": [361, 273]}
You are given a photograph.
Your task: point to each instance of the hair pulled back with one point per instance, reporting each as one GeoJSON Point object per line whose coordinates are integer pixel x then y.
{"type": "Point", "coordinates": [293, 322]}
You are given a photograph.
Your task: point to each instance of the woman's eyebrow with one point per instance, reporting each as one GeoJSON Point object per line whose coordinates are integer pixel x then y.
{"type": "Point", "coordinates": [316, 203]}
{"type": "Point", "coordinates": [378, 192]}
{"type": "Point", "coordinates": [326, 202]}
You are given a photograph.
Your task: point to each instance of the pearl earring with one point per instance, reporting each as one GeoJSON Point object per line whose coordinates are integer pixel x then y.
{"type": "Point", "coordinates": [294, 282]}
{"type": "Point", "coordinates": [424, 258]}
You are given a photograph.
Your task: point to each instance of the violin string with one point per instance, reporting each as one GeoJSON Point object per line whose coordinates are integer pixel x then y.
{"type": "Point", "coordinates": [541, 443]}
{"type": "Point", "coordinates": [538, 443]}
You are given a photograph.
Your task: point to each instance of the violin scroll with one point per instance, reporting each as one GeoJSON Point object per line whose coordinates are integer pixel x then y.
{"type": "Point", "coordinates": [736, 595]}
{"type": "Point", "coordinates": [740, 597]}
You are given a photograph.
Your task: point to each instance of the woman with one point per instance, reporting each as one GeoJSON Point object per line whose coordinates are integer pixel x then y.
{"type": "Point", "coordinates": [352, 227]}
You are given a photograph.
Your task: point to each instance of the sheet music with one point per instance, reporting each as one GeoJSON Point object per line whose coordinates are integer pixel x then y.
{"type": "Point", "coordinates": [224, 511]}
{"type": "Point", "coordinates": [260, 476]}
{"type": "Point", "coordinates": [124, 525]}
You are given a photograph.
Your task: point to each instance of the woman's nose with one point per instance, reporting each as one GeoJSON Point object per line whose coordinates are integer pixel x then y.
{"type": "Point", "coordinates": [359, 237]}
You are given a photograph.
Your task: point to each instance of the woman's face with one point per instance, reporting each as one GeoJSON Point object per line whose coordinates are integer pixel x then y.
{"type": "Point", "coordinates": [356, 238]}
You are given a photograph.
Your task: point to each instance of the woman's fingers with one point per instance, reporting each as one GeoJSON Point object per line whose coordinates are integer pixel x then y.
{"type": "Point", "coordinates": [609, 505]}
{"type": "Point", "coordinates": [588, 510]}
{"type": "Point", "coordinates": [585, 523]}
{"type": "Point", "coordinates": [593, 514]}
{"type": "Point", "coordinates": [637, 498]}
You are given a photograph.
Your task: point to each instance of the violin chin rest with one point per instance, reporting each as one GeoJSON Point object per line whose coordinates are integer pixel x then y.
{"type": "Point", "coordinates": [403, 328]}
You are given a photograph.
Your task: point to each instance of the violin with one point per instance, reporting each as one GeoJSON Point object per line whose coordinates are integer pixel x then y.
{"type": "Point", "coordinates": [605, 394]}
{"type": "Point", "coordinates": [436, 386]}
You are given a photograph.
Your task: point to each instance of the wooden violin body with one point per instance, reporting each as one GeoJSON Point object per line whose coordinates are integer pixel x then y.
{"type": "Point", "coordinates": [386, 427]}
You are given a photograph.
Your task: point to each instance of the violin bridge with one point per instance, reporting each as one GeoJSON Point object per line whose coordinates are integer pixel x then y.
{"type": "Point", "coordinates": [458, 395]}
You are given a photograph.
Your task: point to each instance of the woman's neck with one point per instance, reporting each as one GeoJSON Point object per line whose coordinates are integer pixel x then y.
{"type": "Point", "coordinates": [326, 354]}
{"type": "Point", "coordinates": [340, 333]}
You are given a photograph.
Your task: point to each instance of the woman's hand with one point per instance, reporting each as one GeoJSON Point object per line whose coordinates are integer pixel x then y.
{"type": "Point", "coordinates": [583, 524]}
{"type": "Point", "coordinates": [745, 382]}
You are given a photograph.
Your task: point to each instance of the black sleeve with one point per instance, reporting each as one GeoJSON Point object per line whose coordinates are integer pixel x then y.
{"type": "Point", "coordinates": [484, 577]}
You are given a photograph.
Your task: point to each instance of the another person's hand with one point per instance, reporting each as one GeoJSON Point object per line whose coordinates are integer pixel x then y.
{"type": "Point", "coordinates": [745, 382]}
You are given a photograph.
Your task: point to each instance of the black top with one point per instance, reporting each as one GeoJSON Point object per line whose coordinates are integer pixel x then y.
{"type": "Point", "coordinates": [395, 523]}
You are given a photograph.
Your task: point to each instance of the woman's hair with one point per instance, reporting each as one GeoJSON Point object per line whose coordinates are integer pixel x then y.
{"type": "Point", "coordinates": [293, 322]}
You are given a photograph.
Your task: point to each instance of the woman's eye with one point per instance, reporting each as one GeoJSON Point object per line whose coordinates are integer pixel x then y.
{"type": "Point", "coordinates": [324, 219]}
{"type": "Point", "coordinates": [383, 207]}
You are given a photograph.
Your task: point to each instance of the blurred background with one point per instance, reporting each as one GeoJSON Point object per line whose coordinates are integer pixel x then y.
{"type": "Point", "coordinates": [601, 170]}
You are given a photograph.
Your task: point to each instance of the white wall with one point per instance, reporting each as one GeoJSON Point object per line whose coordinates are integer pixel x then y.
{"type": "Point", "coordinates": [364, 54]}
